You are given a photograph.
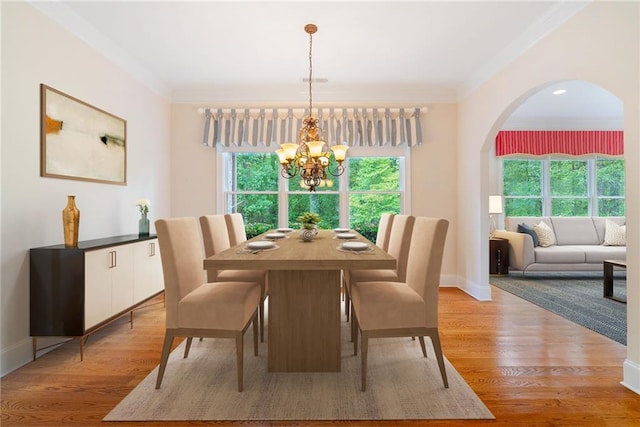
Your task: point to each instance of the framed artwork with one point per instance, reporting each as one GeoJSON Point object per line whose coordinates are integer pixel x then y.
{"type": "Point", "coordinates": [79, 141]}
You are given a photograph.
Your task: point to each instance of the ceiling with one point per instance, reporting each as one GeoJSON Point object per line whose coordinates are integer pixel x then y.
{"type": "Point", "coordinates": [380, 51]}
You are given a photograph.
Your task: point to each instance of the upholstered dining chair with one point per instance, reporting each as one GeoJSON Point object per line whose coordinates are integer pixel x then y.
{"type": "Point", "coordinates": [215, 236]}
{"type": "Point", "coordinates": [195, 308]}
{"type": "Point", "coordinates": [384, 231]}
{"type": "Point", "coordinates": [407, 308]}
{"type": "Point", "coordinates": [235, 225]}
{"type": "Point", "coordinates": [398, 246]}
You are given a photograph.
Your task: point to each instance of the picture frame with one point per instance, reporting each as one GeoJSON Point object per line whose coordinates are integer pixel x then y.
{"type": "Point", "coordinates": [79, 141]}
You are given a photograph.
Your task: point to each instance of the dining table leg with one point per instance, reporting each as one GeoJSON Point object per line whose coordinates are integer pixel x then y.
{"type": "Point", "coordinates": [304, 321]}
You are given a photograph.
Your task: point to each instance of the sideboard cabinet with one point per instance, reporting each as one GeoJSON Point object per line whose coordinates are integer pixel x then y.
{"type": "Point", "coordinates": [76, 291]}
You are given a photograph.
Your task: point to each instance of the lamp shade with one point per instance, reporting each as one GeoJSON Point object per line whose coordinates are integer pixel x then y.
{"type": "Point", "coordinates": [495, 204]}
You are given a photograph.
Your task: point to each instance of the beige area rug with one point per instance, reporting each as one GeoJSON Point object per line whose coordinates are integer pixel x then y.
{"type": "Point", "coordinates": [402, 384]}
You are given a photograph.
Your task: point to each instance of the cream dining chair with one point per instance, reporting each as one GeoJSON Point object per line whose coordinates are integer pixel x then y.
{"type": "Point", "coordinates": [398, 247]}
{"type": "Point", "coordinates": [195, 308]}
{"type": "Point", "coordinates": [235, 225]}
{"type": "Point", "coordinates": [215, 236]}
{"type": "Point", "coordinates": [407, 308]}
{"type": "Point", "coordinates": [382, 241]}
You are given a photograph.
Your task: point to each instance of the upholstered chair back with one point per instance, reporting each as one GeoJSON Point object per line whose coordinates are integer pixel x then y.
{"type": "Point", "coordinates": [384, 231]}
{"type": "Point", "coordinates": [215, 237]}
{"type": "Point", "coordinates": [235, 225]}
{"type": "Point", "coordinates": [399, 241]}
{"type": "Point", "coordinates": [181, 254]}
{"type": "Point", "coordinates": [425, 263]}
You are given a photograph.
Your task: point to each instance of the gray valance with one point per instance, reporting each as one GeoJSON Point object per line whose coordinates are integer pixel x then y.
{"type": "Point", "coordinates": [270, 127]}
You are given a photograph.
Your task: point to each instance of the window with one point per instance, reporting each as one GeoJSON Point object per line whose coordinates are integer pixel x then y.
{"type": "Point", "coordinates": [563, 187]}
{"type": "Point", "coordinates": [369, 186]}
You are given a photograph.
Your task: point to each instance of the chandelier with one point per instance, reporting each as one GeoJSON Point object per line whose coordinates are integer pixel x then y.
{"type": "Point", "coordinates": [309, 157]}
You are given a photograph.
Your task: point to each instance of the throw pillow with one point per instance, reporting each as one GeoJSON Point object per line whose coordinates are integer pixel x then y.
{"type": "Point", "coordinates": [527, 229]}
{"type": "Point", "coordinates": [546, 236]}
{"type": "Point", "coordinates": [614, 234]}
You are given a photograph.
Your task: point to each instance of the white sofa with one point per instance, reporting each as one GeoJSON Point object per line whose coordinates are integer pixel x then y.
{"type": "Point", "coordinates": [579, 244]}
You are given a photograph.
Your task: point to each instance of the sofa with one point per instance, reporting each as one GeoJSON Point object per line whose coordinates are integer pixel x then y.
{"type": "Point", "coordinates": [581, 243]}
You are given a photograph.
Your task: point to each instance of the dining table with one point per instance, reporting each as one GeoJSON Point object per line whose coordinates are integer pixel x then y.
{"type": "Point", "coordinates": [304, 279]}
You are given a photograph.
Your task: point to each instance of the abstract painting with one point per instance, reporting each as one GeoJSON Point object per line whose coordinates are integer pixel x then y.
{"type": "Point", "coordinates": [79, 141]}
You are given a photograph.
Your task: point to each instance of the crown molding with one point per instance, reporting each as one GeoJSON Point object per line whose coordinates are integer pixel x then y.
{"type": "Point", "coordinates": [64, 16]}
{"type": "Point", "coordinates": [558, 15]}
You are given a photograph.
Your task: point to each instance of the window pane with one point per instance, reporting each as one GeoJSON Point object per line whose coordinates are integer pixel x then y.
{"type": "Point", "coordinates": [568, 177]}
{"type": "Point", "coordinates": [569, 207]}
{"type": "Point", "coordinates": [326, 205]}
{"type": "Point", "coordinates": [374, 173]}
{"type": "Point", "coordinates": [254, 172]}
{"type": "Point", "coordinates": [525, 206]}
{"type": "Point", "coordinates": [611, 207]}
{"type": "Point", "coordinates": [260, 211]}
{"type": "Point", "coordinates": [522, 177]}
{"type": "Point", "coordinates": [610, 177]}
{"type": "Point", "coordinates": [365, 211]}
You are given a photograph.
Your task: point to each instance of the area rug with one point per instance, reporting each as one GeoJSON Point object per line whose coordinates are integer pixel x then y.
{"type": "Point", "coordinates": [402, 384]}
{"type": "Point", "coordinates": [574, 296]}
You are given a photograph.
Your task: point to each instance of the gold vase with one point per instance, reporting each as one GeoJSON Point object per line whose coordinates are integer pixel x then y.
{"type": "Point", "coordinates": [70, 223]}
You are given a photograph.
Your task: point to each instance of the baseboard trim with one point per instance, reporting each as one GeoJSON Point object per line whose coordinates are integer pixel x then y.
{"type": "Point", "coordinates": [479, 292]}
{"type": "Point", "coordinates": [631, 376]}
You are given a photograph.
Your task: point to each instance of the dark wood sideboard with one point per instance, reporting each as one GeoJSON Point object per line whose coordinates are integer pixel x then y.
{"type": "Point", "coordinates": [76, 291]}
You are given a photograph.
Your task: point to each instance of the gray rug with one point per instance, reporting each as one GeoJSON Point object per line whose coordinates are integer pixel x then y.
{"type": "Point", "coordinates": [401, 385]}
{"type": "Point", "coordinates": [574, 296]}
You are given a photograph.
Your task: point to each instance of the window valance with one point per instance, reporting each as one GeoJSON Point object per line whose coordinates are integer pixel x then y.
{"type": "Point", "coordinates": [351, 126]}
{"type": "Point", "coordinates": [570, 142]}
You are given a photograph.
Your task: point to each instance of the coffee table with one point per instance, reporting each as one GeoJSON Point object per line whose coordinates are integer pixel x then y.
{"type": "Point", "coordinates": [607, 266]}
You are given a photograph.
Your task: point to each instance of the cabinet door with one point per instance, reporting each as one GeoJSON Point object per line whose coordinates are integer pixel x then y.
{"type": "Point", "coordinates": [147, 270]}
{"type": "Point", "coordinates": [97, 286]}
{"type": "Point", "coordinates": [122, 279]}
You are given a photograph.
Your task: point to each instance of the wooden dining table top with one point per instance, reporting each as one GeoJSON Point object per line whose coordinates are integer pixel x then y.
{"type": "Point", "coordinates": [292, 253]}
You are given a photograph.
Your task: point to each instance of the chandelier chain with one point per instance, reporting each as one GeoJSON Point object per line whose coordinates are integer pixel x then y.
{"type": "Point", "coordinates": [310, 69]}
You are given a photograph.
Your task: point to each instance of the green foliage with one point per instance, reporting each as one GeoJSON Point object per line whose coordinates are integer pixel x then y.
{"type": "Point", "coordinates": [374, 174]}
{"type": "Point", "coordinates": [308, 220]}
{"type": "Point", "coordinates": [370, 230]}
{"type": "Point", "coordinates": [254, 229]}
{"type": "Point", "coordinates": [258, 172]}
{"type": "Point", "coordinates": [325, 205]}
{"type": "Point", "coordinates": [568, 183]}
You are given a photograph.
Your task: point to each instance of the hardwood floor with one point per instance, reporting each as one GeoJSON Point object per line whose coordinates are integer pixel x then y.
{"type": "Point", "coordinates": [529, 366]}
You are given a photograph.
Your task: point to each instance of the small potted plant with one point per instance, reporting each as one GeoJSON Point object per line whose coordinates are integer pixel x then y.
{"type": "Point", "coordinates": [309, 222]}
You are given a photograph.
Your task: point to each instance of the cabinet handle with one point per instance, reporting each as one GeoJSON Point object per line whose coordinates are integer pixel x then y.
{"type": "Point", "coordinates": [152, 248]}
{"type": "Point", "coordinates": [114, 259]}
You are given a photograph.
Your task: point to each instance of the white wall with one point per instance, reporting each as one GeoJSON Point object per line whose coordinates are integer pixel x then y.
{"type": "Point", "coordinates": [35, 50]}
{"type": "Point", "coordinates": [600, 45]}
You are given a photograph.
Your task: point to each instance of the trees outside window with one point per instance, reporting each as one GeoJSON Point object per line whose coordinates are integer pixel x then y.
{"type": "Point", "coordinates": [369, 187]}
{"type": "Point", "coordinates": [564, 187]}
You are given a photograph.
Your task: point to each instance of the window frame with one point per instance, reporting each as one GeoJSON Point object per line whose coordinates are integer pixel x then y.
{"type": "Point", "coordinates": [403, 152]}
{"type": "Point", "coordinates": [592, 195]}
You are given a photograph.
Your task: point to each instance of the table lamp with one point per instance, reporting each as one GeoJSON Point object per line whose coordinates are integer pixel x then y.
{"type": "Point", "coordinates": [495, 207]}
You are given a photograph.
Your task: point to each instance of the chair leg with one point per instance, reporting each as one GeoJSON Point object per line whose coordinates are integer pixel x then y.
{"type": "Point", "coordinates": [255, 334]}
{"type": "Point", "coordinates": [424, 348]}
{"type": "Point", "coordinates": [435, 340]}
{"type": "Point", "coordinates": [354, 333]}
{"type": "Point", "coordinates": [187, 346]}
{"type": "Point", "coordinates": [347, 302]}
{"type": "Point", "coordinates": [363, 356]}
{"type": "Point", "coordinates": [261, 314]}
{"type": "Point", "coordinates": [354, 323]}
{"type": "Point", "coordinates": [239, 358]}
{"type": "Point", "coordinates": [166, 349]}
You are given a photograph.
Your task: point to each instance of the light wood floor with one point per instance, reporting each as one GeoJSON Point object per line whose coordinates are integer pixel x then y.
{"type": "Point", "coordinates": [528, 366]}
